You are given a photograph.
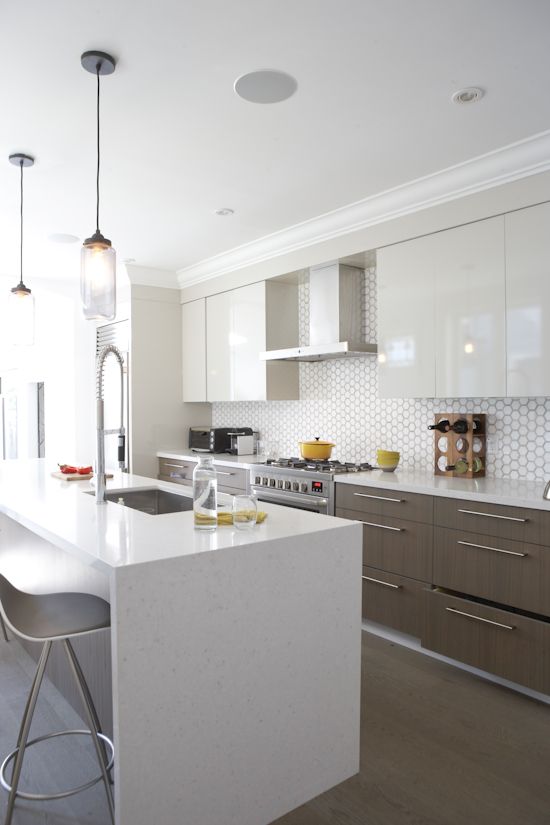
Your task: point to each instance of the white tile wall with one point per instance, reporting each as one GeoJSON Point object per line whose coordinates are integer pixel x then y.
{"type": "Point", "coordinates": [340, 402]}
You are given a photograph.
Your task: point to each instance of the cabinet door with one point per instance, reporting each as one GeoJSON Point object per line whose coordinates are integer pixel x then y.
{"type": "Point", "coordinates": [528, 300]}
{"type": "Point", "coordinates": [406, 320]}
{"type": "Point", "coordinates": [235, 335]}
{"type": "Point", "coordinates": [470, 310]}
{"type": "Point", "coordinates": [193, 321]}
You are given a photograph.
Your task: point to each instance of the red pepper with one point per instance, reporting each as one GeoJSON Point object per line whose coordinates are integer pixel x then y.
{"type": "Point", "coordinates": [67, 469]}
{"type": "Point", "coordinates": [84, 471]}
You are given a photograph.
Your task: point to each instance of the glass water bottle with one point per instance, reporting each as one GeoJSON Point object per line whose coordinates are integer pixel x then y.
{"type": "Point", "coordinates": [205, 488]}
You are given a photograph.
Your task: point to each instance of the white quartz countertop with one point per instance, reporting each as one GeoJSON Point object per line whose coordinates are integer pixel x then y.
{"type": "Point", "coordinates": [515, 493]}
{"type": "Point", "coordinates": [108, 536]}
{"type": "Point", "coordinates": [244, 461]}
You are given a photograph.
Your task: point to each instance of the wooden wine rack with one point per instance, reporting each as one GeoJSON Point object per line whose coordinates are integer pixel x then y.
{"type": "Point", "coordinates": [453, 441]}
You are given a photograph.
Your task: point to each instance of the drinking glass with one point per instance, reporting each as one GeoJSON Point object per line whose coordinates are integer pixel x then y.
{"type": "Point", "coordinates": [245, 510]}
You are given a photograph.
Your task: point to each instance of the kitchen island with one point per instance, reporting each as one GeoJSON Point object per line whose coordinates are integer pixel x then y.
{"type": "Point", "coordinates": [235, 655]}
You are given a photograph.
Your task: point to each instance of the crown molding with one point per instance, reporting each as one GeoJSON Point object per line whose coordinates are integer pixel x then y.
{"type": "Point", "coordinates": [530, 156]}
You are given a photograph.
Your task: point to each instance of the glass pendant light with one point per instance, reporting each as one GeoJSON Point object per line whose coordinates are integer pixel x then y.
{"type": "Point", "coordinates": [21, 300]}
{"type": "Point", "coordinates": [98, 258]}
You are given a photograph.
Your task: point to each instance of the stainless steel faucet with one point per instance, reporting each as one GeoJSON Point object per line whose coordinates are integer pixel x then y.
{"type": "Point", "coordinates": [101, 431]}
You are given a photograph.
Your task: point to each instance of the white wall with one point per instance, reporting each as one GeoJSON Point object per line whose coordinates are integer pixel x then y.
{"type": "Point", "coordinates": [159, 418]}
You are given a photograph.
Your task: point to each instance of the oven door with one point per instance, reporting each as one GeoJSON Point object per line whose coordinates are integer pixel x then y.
{"type": "Point", "coordinates": [299, 501]}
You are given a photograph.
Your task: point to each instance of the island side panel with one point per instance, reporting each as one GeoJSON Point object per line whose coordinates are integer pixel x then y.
{"type": "Point", "coordinates": [236, 678]}
{"type": "Point", "coordinates": [35, 565]}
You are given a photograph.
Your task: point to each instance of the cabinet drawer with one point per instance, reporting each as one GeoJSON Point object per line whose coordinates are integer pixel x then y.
{"type": "Point", "coordinates": [507, 644]}
{"type": "Point", "coordinates": [392, 600]}
{"type": "Point", "coordinates": [235, 479]}
{"type": "Point", "coordinates": [500, 570]}
{"type": "Point", "coordinates": [394, 503]}
{"type": "Point", "coordinates": [396, 545]}
{"type": "Point", "coordinates": [518, 523]}
{"type": "Point", "coordinates": [175, 469]}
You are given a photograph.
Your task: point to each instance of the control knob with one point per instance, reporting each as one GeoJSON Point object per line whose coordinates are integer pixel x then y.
{"type": "Point", "coordinates": [304, 487]}
{"type": "Point", "coordinates": [295, 486]}
{"type": "Point", "coordinates": [265, 481]}
{"type": "Point", "coordinates": [272, 482]}
{"type": "Point", "coordinates": [280, 484]}
{"type": "Point", "coordinates": [288, 485]}
{"type": "Point", "coordinates": [258, 480]}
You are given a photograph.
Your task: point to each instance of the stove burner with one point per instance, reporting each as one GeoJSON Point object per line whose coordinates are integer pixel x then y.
{"type": "Point", "coordinates": [294, 463]}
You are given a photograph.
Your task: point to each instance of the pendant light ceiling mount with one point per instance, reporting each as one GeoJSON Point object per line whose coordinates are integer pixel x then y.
{"type": "Point", "coordinates": [19, 159]}
{"type": "Point", "coordinates": [98, 62]}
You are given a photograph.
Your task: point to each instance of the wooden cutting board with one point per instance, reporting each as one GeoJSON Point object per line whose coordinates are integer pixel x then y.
{"type": "Point", "coordinates": [76, 476]}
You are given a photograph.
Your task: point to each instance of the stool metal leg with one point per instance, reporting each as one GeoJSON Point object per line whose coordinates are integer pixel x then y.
{"type": "Point", "coordinates": [25, 728]}
{"type": "Point", "coordinates": [4, 631]}
{"type": "Point", "coordinates": [93, 721]}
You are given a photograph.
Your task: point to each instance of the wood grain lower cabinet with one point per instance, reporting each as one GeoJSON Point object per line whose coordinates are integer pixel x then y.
{"type": "Point", "coordinates": [500, 570]}
{"type": "Point", "coordinates": [395, 545]}
{"type": "Point", "coordinates": [395, 601]}
{"type": "Point", "coordinates": [392, 503]}
{"type": "Point", "coordinates": [180, 471]}
{"type": "Point", "coordinates": [500, 520]}
{"type": "Point", "coordinates": [507, 644]}
{"type": "Point", "coordinates": [478, 551]}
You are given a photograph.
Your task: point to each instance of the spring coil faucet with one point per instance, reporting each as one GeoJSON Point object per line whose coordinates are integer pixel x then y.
{"type": "Point", "coordinates": [109, 349]}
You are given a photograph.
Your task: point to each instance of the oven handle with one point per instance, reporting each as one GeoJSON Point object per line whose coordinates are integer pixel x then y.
{"type": "Point", "coordinates": [273, 496]}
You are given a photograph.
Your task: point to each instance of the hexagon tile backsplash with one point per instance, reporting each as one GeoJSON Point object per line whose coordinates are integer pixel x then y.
{"type": "Point", "coordinates": [340, 401]}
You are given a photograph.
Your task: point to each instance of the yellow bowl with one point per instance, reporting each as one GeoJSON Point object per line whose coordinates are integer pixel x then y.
{"type": "Point", "coordinates": [387, 459]}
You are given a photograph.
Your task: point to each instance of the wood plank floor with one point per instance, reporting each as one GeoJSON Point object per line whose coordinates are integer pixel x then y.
{"type": "Point", "coordinates": [439, 747]}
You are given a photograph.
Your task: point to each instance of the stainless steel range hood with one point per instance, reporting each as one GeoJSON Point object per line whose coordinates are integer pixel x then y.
{"type": "Point", "coordinates": [335, 322]}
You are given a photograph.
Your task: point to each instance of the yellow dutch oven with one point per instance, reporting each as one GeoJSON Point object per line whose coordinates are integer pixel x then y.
{"type": "Point", "coordinates": [316, 450]}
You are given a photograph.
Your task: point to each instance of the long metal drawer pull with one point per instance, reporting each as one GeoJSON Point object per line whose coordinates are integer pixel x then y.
{"type": "Point", "coordinates": [493, 515]}
{"type": "Point", "coordinates": [384, 526]}
{"type": "Point", "coordinates": [494, 549]}
{"type": "Point", "coordinates": [379, 581]}
{"type": "Point", "coordinates": [379, 498]}
{"type": "Point", "coordinates": [480, 619]}
{"type": "Point", "coordinates": [178, 466]}
{"type": "Point", "coordinates": [220, 473]}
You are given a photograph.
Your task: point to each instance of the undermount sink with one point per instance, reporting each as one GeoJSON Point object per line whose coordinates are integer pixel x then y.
{"type": "Point", "coordinates": [152, 500]}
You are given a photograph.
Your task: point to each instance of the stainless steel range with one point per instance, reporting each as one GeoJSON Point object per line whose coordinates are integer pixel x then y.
{"type": "Point", "coordinates": [304, 485]}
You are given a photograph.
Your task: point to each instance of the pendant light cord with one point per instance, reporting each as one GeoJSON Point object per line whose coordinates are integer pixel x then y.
{"type": "Point", "coordinates": [21, 228]}
{"type": "Point", "coordinates": [98, 153]}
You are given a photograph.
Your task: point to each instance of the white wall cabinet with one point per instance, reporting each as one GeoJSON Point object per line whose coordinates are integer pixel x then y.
{"type": "Point", "coordinates": [528, 300]}
{"type": "Point", "coordinates": [470, 355]}
{"type": "Point", "coordinates": [240, 324]}
{"type": "Point", "coordinates": [406, 320]}
{"type": "Point", "coordinates": [441, 314]}
{"type": "Point", "coordinates": [193, 323]}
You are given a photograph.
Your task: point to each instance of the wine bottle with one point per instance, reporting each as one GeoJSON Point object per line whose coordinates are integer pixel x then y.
{"type": "Point", "coordinates": [443, 426]}
{"type": "Point", "coordinates": [460, 426]}
{"type": "Point", "coordinates": [477, 464]}
{"type": "Point", "coordinates": [461, 466]}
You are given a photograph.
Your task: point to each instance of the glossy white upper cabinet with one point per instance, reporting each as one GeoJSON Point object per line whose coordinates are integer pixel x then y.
{"type": "Point", "coordinates": [406, 320]}
{"type": "Point", "coordinates": [240, 324]}
{"type": "Point", "coordinates": [441, 314]}
{"type": "Point", "coordinates": [528, 300]}
{"type": "Point", "coordinates": [470, 331]}
{"type": "Point", "coordinates": [193, 318]}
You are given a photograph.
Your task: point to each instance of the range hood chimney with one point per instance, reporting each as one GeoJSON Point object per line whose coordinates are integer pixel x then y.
{"type": "Point", "coordinates": [335, 308]}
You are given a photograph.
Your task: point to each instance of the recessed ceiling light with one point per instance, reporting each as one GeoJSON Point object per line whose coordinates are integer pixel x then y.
{"type": "Point", "coordinates": [265, 86]}
{"type": "Point", "coordinates": [224, 211]}
{"type": "Point", "coordinates": [62, 237]}
{"type": "Point", "coordinates": [469, 95]}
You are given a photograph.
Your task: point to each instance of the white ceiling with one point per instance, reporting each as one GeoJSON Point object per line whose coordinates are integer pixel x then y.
{"type": "Point", "coordinates": [372, 111]}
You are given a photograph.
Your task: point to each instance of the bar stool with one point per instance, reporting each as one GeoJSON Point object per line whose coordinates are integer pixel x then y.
{"type": "Point", "coordinates": [3, 626]}
{"type": "Point", "coordinates": [49, 618]}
